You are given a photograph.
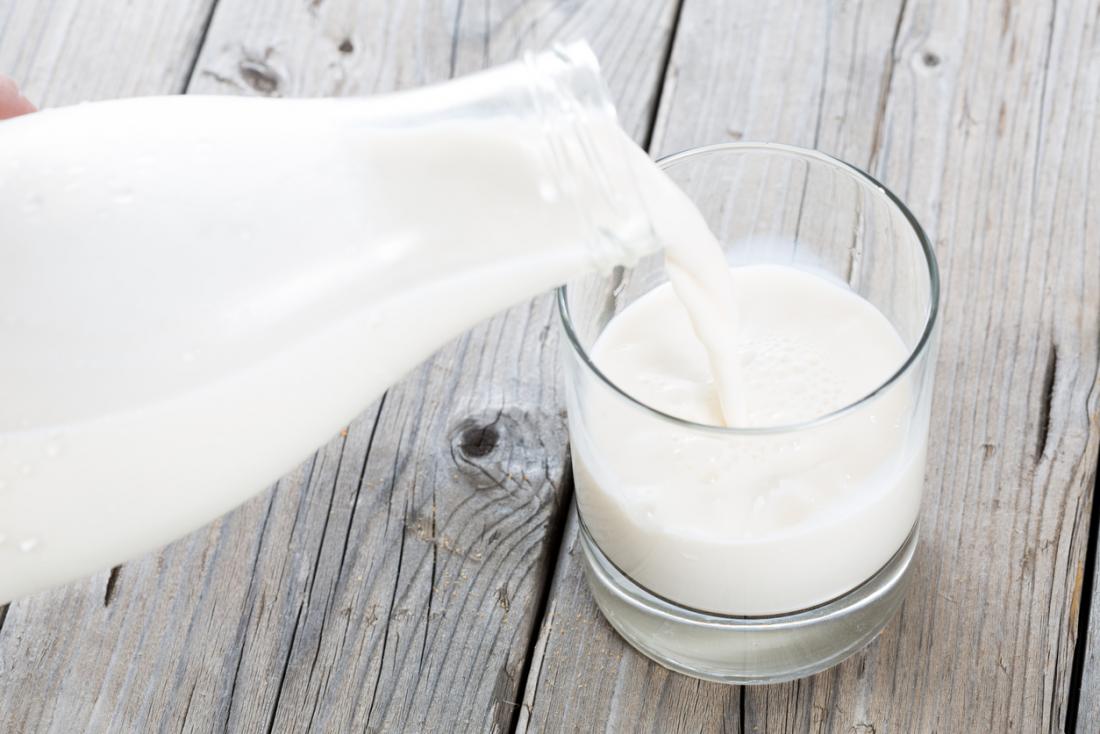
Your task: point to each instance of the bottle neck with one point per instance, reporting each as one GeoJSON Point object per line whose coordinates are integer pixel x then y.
{"type": "Point", "coordinates": [591, 160]}
{"type": "Point", "coordinates": [587, 164]}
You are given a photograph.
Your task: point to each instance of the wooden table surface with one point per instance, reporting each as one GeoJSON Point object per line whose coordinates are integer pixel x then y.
{"type": "Point", "coordinates": [420, 573]}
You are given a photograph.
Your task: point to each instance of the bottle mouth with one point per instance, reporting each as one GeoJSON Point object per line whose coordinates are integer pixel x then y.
{"type": "Point", "coordinates": [914, 354]}
{"type": "Point", "coordinates": [571, 72]}
{"type": "Point", "coordinates": [582, 131]}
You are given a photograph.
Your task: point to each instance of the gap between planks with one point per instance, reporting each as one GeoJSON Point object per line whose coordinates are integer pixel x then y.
{"type": "Point", "coordinates": [557, 532]}
{"type": "Point", "coordinates": [1084, 614]}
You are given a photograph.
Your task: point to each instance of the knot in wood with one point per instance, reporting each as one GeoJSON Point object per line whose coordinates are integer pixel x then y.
{"type": "Point", "coordinates": [260, 76]}
{"type": "Point", "coordinates": [477, 441]}
{"type": "Point", "coordinates": [519, 449]}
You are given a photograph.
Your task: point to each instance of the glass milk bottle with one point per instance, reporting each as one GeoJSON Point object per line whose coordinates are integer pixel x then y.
{"type": "Point", "coordinates": [196, 292]}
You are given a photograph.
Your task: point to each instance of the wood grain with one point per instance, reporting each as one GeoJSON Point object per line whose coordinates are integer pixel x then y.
{"type": "Point", "coordinates": [983, 118]}
{"type": "Point", "coordinates": [395, 579]}
{"type": "Point", "coordinates": [68, 51]}
{"type": "Point", "coordinates": [392, 582]}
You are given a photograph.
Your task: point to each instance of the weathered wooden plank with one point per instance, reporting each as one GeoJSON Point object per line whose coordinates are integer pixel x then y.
{"type": "Point", "coordinates": [1070, 139]}
{"type": "Point", "coordinates": [70, 51]}
{"type": "Point", "coordinates": [797, 73]}
{"type": "Point", "coordinates": [398, 592]}
{"type": "Point", "coordinates": [983, 117]}
{"type": "Point", "coordinates": [988, 133]}
{"type": "Point", "coordinates": [1087, 690]}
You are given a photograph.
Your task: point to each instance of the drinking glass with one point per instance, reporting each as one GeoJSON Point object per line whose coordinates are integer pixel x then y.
{"type": "Point", "coordinates": [790, 603]}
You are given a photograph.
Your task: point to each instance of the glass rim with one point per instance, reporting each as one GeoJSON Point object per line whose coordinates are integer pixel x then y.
{"type": "Point", "coordinates": [915, 353]}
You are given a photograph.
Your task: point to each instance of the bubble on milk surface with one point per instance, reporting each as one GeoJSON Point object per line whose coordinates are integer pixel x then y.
{"type": "Point", "coordinates": [797, 381]}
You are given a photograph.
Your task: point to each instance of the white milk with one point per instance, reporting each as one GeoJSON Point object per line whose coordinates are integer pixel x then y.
{"type": "Point", "coordinates": [197, 292]}
{"type": "Point", "coordinates": [750, 524]}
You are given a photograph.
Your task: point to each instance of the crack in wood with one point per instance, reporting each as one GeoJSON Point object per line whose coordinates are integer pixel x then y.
{"type": "Point", "coordinates": [193, 62]}
{"type": "Point", "coordinates": [389, 621]}
{"type": "Point", "coordinates": [534, 671]}
{"type": "Point", "coordinates": [884, 95]}
{"type": "Point", "coordinates": [112, 586]}
{"type": "Point", "coordinates": [555, 533]}
{"type": "Point", "coordinates": [455, 34]}
{"type": "Point", "coordinates": [359, 489]}
{"type": "Point", "coordinates": [543, 618]}
{"type": "Point", "coordinates": [282, 676]}
{"type": "Point", "coordinates": [1035, 184]}
{"type": "Point", "coordinates": [431, 589]}
{"type": "Point", "coordinates": [187, 709]}
{"type": "Point", "coordinates": [1049, 374]}
{"type": "Point", "coordinates": [663, 79]}
{"type": "Point", "coordinates": [1084, 613]}
{"type": "Point", "coordinates": [242, 630]}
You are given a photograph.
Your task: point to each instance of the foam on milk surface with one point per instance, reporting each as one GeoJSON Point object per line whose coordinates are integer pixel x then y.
{"type": "Point", "coordinates": [750, 524]}
{"type": "Point", "coordinates": [795, 356]}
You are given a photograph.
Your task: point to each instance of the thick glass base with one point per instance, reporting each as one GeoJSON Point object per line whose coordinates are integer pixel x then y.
{"type": "Point", "coordinates": [747, 650]}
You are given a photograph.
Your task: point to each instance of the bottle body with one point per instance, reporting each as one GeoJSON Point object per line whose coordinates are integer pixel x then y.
{"type": "Point", "coordinates": [196, 292]}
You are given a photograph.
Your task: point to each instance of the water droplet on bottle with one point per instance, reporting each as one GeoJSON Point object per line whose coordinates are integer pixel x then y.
{"type": "Point", "coordinates": [28, 544]}
{"type": "Point", "coordinates": [25, 470]}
